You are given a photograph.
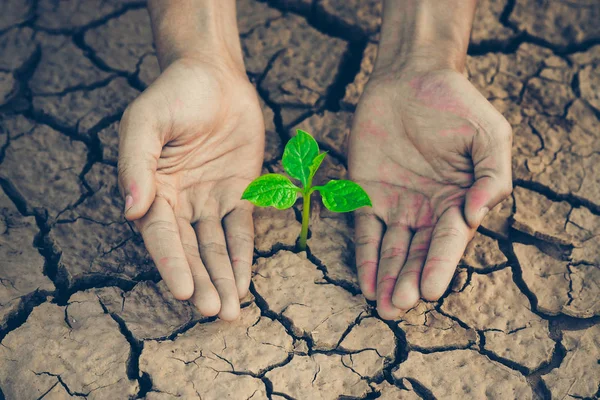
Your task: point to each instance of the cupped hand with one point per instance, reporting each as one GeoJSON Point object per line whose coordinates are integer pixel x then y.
{"type": "Point", "coordinates": [434, 155]}
{"type": "Point", "coordinates": [189, 145]}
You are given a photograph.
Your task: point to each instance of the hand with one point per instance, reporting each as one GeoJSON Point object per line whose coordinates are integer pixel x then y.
{"type": "Point", "coordinates": [434, 155]}
{"type": "Point", "coordinates": [189, 146]}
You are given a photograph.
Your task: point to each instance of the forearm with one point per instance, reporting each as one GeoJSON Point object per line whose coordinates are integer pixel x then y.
{"type": "Point", "coordinates": [425, 34]}
{"type": "Point", "coordinates": [205, 29]}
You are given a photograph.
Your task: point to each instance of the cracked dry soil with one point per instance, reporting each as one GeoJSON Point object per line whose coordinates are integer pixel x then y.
{"type": "Point", "coordinates": [83, 312]}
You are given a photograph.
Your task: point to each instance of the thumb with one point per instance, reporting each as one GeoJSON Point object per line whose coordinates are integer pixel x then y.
{"type": "Point", "coordinates": [492, 173]}
{"type": "Point", "coordinates": [139, 150]}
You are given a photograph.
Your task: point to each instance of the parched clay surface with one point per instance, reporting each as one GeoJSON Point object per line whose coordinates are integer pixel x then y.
{"type": "Point", "coordinates": [60, 346]}
{"type": "Point", "coordinates": [85, 314]}
{"type": "Point", "coordinates": [467, 375]}
{"type": "Point", "coordinates": [579, 372]}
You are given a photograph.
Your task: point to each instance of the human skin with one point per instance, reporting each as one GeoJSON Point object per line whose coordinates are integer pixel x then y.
{"type": "Point", "coordinates": [435, 158]}
{"type": "Point", "coordinates": [431, 151]}
{"type": "Point", "coordinates": [188, 147]}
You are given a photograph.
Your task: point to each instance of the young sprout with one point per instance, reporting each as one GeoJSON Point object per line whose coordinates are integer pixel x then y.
{"type": "Point", "coordinates": [301, 160]}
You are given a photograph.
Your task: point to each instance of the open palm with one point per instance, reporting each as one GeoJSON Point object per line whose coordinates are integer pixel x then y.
{"type": "Point", "coordinates": [434, 156]}
{"type": "Point", "coordinates": [189, 145]}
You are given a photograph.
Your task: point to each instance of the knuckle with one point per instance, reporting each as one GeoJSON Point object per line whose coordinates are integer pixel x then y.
{"type": "Point", "coordinates": [213, 247]}
{"type": "Point", "coordinates": [416, 273]}
{"type": "Point", "coordinates": [190, 249]}
{"type": "Point", "coordinates": [447, 233]}
{"type": "Point", "coordinates": [367, 264]}
{"type": "Point", "coordinates": [394, 252]}
{"type": "Point", "coordinates": [245, 238]}
{"type": "Point", "coordinates": [223, 280]}
{"type": "Point", "coordinates": [241, 262]}
{"type": "Point", "coordinates": [158, 228]}
{"type": "Point", "coordinates": [416, 255]}
{"type": "Point", "coordinates": [365, 240]}
{"type": "Point", "coordinates": [388, 278]}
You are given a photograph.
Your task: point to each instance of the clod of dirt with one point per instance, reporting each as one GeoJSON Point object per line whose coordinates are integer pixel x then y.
{"type": "Point", "coordinates": [371, 345]}
{"type": "Point", "coordinates": [494, 304]}
{"type": "Point", "coordinates": [60, 346]}
{"type": "Point", "coordinates": [559, 286]}
{"type": "Point", "coordinates": [50, 177]}
{"type": "Point", "coordinates": [483, 253]}
{"type": "Point", "coordinates": [253, 14]}
{"type": "Point", "coordinates": [426, 328]}
{"type": "Point", "coordinates": [109, 138]}
{"type": "Point", "coordinates": [463, 374]}
{"type": "Point", "coordinates": [332, 243]}
{"type": "Point", "coordinates": [354, 90]}
{"type": "Point", "coordinates": [293, 287]}
{"type": "Point", "coordinates": [561, 23]}
{"type": "Point", "coordinates": [370, 333]}
{"type": "Point", "coordinates": [585, 228]}
{"type": "Point", "coordinates": [486, 23]}
{"type": "Point", "coordinates": [356, 18]}
{"type": "Point", "coordinates": [20, 44]}
{"type": "Point", "coordinates": [578, 375]}
{"type": "Point", "coordinates": [319, 377]}
{"type": "Point", "coordinates": [8, 87]}
{"type": "Point", "coordinates": [330, 128]}
{"type": "Point", "coordinates": [82, 110]}
{"type": "Point", "coordinates": [287, 45]}
{"type": "Point", "coordinates": [148, 69]}
{"type": "Point", "coordinates": [106, 249]}
{"type": "Point", "coordinates": [275, 228]}
{"type": "Point", "coordinates": [500, 304]}
{"type": "Point", "coordinates": [20, 11]}
{"type": "Point", "coordinates": [273, 145]}
{"type": "Point", "coordinates": [121, 42]}
{"type": "Point", "coordinates": [541, 217]}
{"type": "Point", "coordinates": [391, 392]}
{"type": "Point", "coordinates": [57, 51]}
{"type": "Point", "coordinates": [72, 15]}
{"type": "Point", "coordinates": [21, 266]}
{"type": "Point", "coordinates": [589, 84]}
{"type": "Point", "coordinates": [149, 310]}
{"type": "Point", "coordinates": [217, 359]}
{"type": "Point", "coordinates": [511, 345]}
{"type": "Point", "coordinates": [497, 220]}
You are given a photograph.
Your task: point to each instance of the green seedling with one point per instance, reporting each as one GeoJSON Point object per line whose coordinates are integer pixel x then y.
{"type": "Point", "coordinates": [301, 160]}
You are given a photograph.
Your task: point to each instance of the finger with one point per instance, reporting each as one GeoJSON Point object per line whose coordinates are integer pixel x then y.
{"type": "Point", "coordinates": [139, 150]}
{"type": "Point", "coordinates": [239, 233]}
{"type": "Point", "coordinates": [492, 172]}
{"type": "Point", "coordinates": [213, 252]}
{"type": "Point", "coordinates": [407, 293]}
{"type": "Point", "coordinates": [394, 249]}
{"type": "Point", "coordinates": [368, 231]}
{"type": "Point", "coordinates": [160, 232]}
{"type": "Point", "coordinates": [448, 242]}
{"type": "Point", "coordinates": [205, 297]}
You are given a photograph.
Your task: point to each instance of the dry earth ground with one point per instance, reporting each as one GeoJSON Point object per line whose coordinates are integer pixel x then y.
{"type": "Point", "coordinates": [84, 313]}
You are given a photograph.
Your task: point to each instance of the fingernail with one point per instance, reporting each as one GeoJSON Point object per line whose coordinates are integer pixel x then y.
{"type": "Point", "coordinates": [482, 213]}
{"type": "Point", "coordinates": [128, 202]}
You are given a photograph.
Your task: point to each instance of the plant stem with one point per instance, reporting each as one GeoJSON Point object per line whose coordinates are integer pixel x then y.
{"type": "Point", "coordinates": [305, 219]}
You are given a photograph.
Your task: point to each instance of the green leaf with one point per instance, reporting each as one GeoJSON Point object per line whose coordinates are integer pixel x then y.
{"type": "Point", "coordinates": [298, 156]}
{"type": "Point", "coordinates": [343, 196]}
{"type": "Point", "coordinates": [271, 190]}
{"type": "Point", "coordinates": [314, 167]}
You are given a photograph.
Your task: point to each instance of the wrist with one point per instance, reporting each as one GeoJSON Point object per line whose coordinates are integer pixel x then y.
{"type": "Point", "coordinates": [424, 35]}
{"type": "Point", "coordinates": [424, 59]}
{"type": "Point", "coordinates": [200, 30]}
